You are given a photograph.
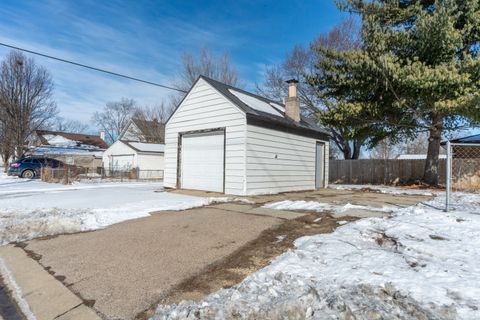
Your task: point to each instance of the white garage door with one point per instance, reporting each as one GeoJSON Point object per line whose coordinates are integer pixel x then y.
{"type": "Point", "coordinates": [202, 161]}
{"type": "Point", "coordinates": [122, 162]}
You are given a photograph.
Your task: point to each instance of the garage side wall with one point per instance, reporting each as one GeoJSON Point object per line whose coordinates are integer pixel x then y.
{"type": "Point", "coordinates": [278, 161]}
{"type": "Point", "coordinates": [205, 108]}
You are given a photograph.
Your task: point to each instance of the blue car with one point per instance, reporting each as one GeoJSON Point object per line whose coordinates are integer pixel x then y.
{"type": "Point", "coordinates": [30, 167]}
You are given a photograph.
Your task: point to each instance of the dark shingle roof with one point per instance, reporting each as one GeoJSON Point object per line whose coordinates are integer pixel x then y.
{"type": "Point", "coordinates": [254, 116]}
{"type": "Point", "coordinates": [86, 139]}
{"type": "Point", "coordinates": [470, 139]}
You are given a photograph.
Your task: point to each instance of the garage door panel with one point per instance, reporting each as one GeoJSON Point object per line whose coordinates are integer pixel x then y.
{"type": "Point", "coordinates": [122, 162]}
{"type": "Point", "coordinates": [202, 158]}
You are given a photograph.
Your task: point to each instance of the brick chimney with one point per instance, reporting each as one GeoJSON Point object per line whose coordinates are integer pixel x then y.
{"type": "Point", "coordinates": [292, 103]}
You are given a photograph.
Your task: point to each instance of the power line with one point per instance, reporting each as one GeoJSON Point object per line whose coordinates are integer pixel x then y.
{"type": "Point", "coordinates": [91, 68]}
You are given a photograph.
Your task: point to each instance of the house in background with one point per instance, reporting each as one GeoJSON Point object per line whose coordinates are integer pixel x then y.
{"type": "Point", "coordinates": [124, 156]}
{"type": "Point", "coordinates": [81, 150]}
{"type": "Point", "coordinates": [225, 139]}
{"type": "Point", "coordinates": [417, 156]}
{"type": "Point", "coordinates": [141, 130]}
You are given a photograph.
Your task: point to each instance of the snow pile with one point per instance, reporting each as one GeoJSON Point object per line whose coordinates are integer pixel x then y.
{"type": "Point", "coordinates": [60, 141]}
{"type": "Point", "coordinates": [421, 263]}
{"type": "Point", "coordinates": [321, 206]}
{"type": "Point", "coordinates": [32, 208]}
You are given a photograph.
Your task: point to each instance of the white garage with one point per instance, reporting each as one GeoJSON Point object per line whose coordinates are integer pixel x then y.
{"type": "Point", "coordinates": [146, 158]}
{"type": "Point", "coordinates": [225, 139]}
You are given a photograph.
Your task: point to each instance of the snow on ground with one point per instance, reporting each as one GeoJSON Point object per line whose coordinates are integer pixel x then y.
{"type": "Point", "coordinates": [322, 206]}
{"type": "Point", "coordinates": [32, 208]}
{"type": "Point", "coordinates": [383, 189]}
{"type": "Point", "coordinates": [419, 263]}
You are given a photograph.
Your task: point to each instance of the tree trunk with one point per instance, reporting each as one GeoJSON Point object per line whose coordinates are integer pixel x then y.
{"type": "Point", "coordinates": [430, 175]}
{"type": "Point", "coordinates": [357, 145]}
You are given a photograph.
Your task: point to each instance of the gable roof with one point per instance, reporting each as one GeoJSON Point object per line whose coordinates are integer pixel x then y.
{"type": "Point", "coordinates": [149, 129]}
{"type": "Point", "coordinates": [272, 119]}
{"type": "Point", "coordinates": [145, 147]}
{"type": "Point", "coordinates": [48, 138]}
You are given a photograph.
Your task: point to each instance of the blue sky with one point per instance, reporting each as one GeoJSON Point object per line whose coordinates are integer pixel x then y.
{"type": "Point", "coordinates": [145, 39]}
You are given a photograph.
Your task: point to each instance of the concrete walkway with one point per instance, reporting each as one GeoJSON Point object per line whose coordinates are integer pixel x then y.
{"type": "Point", "coordinates": [127, 267]}
{"type": "Point", "coordinates": [43, 295]}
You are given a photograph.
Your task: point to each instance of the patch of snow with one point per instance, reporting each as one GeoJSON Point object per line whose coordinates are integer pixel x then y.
{"type": "Point", "coordinates": [60, 141]}
{"type": "Point", "coordinates": [321, 206]}
{"type": "Point", "coordinates": [255, 103]}
{"type": "Point", "coordinates": [32, 208]}
{"type": "Point", "coordinates": [16, 292]}
{"type": "Point", "coordinates": [342, 222]}
{"type": "Point", "coordinates": [280, 238]}
{"type": "Point", "coordinates": [318, 219]}
{"type": "Point", "coordinates": [419, 263]}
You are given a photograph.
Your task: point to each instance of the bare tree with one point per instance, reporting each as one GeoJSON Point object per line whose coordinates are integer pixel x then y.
{"type": "Point", "coordinates": [207, 64]}
{"type": "Point", "coordinates": [114, 118]}
{"type": "Point", "coordinates": [386, 149]}
{"type": "Point", "coordinates": [26, 99]}
{"type": "Point", "coordinates": [7, 149]}
{"type": "Point", "coordinates": [150, 121]}
{"type": "Point", "coordinates": [159, 112]}
{"type": "Point", "coordinates": [68, 125]}
{"type": "Point", "coordinates": [300, 62]}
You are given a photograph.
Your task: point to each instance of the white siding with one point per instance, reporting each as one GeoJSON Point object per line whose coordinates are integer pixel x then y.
{"type": "Point", "coordinates": [132, 133]}
{"type": "Point", "coordinates": [118, 148]}
{"type": "Point", "coordinates": [151, 166]}
{"type": "Point", "coordinates": [150, 161]}
{"type": "Point", "coordinates": [205, 108]}
{"type": "Point", "coordinates": [278, 161]}
{"type": "Point", "coordinates": [142, 161]}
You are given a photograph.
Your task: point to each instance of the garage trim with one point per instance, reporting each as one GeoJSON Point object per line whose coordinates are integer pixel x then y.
{"type": "Point", "coordinates": [179, 151]}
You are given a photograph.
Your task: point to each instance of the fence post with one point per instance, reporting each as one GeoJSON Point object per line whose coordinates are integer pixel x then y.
{"type": "Point", "coordinates": [448, 173]}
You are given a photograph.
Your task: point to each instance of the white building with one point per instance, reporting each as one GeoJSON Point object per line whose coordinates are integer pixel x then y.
{"type": "Point", "coordinates": [147, 158]}
{"type": "Point", "coordinates": [224, 139]}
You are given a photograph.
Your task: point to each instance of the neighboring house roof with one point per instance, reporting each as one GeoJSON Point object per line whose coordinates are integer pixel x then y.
{"type": "Point", "coordinates": [64, 151]}
{"type": "Point", "coordinates": [145, 147]}
{"type": "Point", "coordinates": [265, 112]}
{"type": "Point", "coordinates": [469, 139]}
{"type": "Point", "coordinates": [70, 140]}
{"type": "Point", "coordinates": [417, 156]}
{"type": "Point", "coordinates": [147, 129]}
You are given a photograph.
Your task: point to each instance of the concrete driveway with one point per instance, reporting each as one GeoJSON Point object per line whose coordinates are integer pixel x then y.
{"type": "Point", "coordinates": [124, 269]}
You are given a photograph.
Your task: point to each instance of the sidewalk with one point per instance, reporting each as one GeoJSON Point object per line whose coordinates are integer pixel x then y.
{"type": "Point", "coordinates": [39, 295]}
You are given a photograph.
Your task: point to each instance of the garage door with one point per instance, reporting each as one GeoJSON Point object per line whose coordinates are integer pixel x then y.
{"type": "Point", "coordinates": [202, 161]}
{"type": "Point", "coordinates": [122, 162]}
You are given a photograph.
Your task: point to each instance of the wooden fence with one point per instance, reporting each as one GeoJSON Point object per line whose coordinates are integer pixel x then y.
{"type": "Point", "coordinates": [378, 171]}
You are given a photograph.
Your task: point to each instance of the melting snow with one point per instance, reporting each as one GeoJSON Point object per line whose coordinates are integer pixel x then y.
{"type": "Point", "coordinates": [419, 263]}
{"type": "Point", "coordinates": [32, 208]}
{"type": "Point", "coordinates": [255, 103]}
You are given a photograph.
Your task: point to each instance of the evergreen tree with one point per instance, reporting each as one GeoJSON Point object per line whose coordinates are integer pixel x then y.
{"type": "Point", "coordinates": [418, 70]}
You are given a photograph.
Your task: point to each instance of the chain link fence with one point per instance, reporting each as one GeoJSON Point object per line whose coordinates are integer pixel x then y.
{"type": "Point", "coordinates": [69, 174]}
{"type": "Point", "coordinates": [462, 169]}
